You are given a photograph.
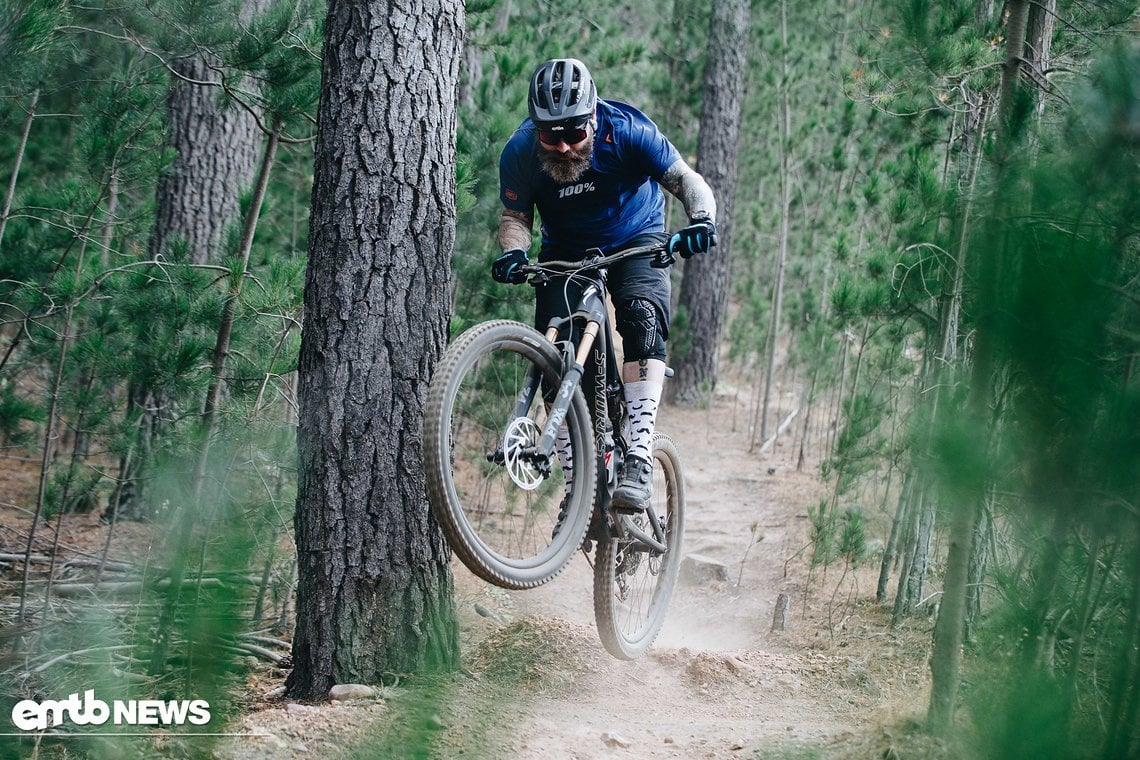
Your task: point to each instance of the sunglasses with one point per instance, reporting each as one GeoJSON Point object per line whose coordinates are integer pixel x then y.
{"type": "Point", "coordinates": [568, 135]}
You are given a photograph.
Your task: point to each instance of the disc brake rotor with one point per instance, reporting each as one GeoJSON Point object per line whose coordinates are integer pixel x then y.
{"type": "Point", "coordinates": [521, 435]}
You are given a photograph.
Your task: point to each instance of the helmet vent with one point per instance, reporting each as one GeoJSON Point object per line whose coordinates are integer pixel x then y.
{"type": "Point", "coordinates": [540, 90]}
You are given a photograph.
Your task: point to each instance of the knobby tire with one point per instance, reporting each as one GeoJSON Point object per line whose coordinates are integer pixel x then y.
{"type": "Point", "coordinates": [632, 588]}
{"type": "Point", "coordinates": [503, 533]}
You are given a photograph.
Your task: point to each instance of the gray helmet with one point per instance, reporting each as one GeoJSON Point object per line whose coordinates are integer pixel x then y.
{"type": "Point", "coordinates": [560, 90]}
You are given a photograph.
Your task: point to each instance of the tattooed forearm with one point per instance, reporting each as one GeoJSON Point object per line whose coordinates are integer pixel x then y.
{"type": "Point", "coordinates": [514, 230]}
{"type": "Point", "coordinates": [691, 189]}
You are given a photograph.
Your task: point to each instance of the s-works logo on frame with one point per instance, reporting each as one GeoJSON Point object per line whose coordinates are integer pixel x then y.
{"type": "Point", "coordinates": [30, 715]}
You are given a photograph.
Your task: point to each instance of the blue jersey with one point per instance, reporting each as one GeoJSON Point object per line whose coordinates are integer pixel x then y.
{"type": "Point", "coordinates": [617, 198]}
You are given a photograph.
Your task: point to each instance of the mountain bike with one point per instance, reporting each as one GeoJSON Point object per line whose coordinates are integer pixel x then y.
{"type": "Point", "coordinates": [515, 510]}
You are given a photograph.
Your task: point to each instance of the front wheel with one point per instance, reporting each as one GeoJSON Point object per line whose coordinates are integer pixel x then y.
{"type": "Point", "coordinates": [503, 512]}
{"type": "Point", "coordinates": [632, 581]}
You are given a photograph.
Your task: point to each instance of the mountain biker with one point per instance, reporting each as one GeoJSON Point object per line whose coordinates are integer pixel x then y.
{"type": "Point", "coordinates": [592, 168]}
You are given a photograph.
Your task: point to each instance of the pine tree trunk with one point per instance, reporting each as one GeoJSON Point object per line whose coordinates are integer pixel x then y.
{"type": "Point", "coordinates": [946, 659]}
{"type": "Point", "coordinates": [19, 159]}
{"type": "Point", "coordinates": [190, 513]}
{"type": "Point", "coordinates": [375, 591]}
{"type": "Point", "coordinates": [949, 630]}
{"type": "Point", "coordinates": [704, 289]}
{"type": "Point", "coordinates": [983, 14]}
{"type": "Point", "coordinates": [891, 549]}
{"type": "Point", "coordinates": [217, 147]}
{"type": "Point", "coordinates": [785, 221]}
{"type": "Point", "coordinates": [1039, 41]}
{"type": "Point", "coordinates": [918, 540]}
{"type": "Point", "coordinates": [1017, 16]}
{"type": "Point", "coordinates": [979, 566]}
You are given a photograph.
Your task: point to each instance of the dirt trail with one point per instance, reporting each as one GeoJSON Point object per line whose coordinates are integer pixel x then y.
{"type": "Point", "coordinates": [716, 682]}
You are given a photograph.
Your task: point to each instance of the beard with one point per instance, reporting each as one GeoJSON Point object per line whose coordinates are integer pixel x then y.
{"type": "Point", "coordinates": [566, 167]}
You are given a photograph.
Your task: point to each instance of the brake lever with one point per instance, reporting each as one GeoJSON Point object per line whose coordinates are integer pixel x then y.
{"type": "Point", "coordinates": [662, 260]}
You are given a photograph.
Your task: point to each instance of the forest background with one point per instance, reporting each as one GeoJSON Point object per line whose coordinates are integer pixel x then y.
{"type": "Point", "coordinates": [934, 229]}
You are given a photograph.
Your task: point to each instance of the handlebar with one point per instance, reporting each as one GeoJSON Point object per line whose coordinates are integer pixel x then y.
{"type": "Point", "coordinates": [595, 260]}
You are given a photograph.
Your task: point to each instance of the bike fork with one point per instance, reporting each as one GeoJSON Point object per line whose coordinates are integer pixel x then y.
{"type": "Point", "coordinates": [561, 404]}
{"type": "Point", "coordinates": [570, 381]}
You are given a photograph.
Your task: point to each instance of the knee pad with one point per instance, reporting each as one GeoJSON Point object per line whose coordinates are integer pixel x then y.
{"type": "Point", "coordinates": [639, 323]}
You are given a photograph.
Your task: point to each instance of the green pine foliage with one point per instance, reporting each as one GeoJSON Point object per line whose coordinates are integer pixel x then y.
{"type": "Point", "coordinates": [1055, 308]}
{"type": "Point", "coordinates": [897, 195]}
{"type": "Point", "coordinates": [90, 320]}
{"type": "Point", "coordinates": [892, 184]}
{"type": "Point", "coordinates": [1066, 336]}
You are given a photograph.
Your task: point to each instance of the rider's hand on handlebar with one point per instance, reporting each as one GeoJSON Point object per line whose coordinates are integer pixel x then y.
{"type": "Point", "coordinates": [698, 237]}
{"type": "Point", "coordinates": [505, 268]}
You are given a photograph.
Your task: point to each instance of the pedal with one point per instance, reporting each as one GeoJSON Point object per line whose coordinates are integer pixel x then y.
{"type": "Point", "coordinates": [626, 509]}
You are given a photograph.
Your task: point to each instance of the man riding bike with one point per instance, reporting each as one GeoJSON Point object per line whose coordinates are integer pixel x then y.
{"type": "Point", "coordinates": [593, 168]}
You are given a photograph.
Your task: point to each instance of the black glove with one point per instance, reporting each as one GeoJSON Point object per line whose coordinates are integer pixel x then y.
{"type": "Point", "coordinates": [504, 269]}
{"type": "Point", "coordinates": [698, 237]}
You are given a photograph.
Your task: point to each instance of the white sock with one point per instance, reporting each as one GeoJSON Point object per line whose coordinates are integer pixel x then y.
{"type": "Point", "coordinates": [641, 401]}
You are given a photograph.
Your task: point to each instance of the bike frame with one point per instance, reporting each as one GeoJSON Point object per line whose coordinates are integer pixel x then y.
{"type": "Point", "coordinates": [597, 339]}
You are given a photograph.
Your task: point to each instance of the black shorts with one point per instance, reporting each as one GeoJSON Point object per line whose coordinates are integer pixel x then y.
{"type": "Point", "coordinates": [632, 279]}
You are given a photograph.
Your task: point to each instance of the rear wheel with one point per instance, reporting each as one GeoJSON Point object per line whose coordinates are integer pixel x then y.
{"type": "Point", "coordinates": [500, 509]}
{"type": "Point", "coordinates": [632, 582]}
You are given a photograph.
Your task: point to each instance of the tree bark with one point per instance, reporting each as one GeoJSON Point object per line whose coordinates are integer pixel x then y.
{"type": "Point", "coordinates": [946, 659]}
{"type": "Point", "coordinates": [891, 549]}
{"type": "Point", "coordinates": [1039, 44]}
{"type": "Point", "coordinates": [1039, 35]}
{"type": "Point", "coordinates": [209, 421]}
{"type": "Point", "coordinates": [216, 148]}
{"type": "Point", "coordinates": [983, 14]}
{"type": "Point", "coordinates": [704, 288]}
{"type": "Point", "coordinates": [1016, 22]}
{"type": "Point", "coordinates": [375, 591]}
